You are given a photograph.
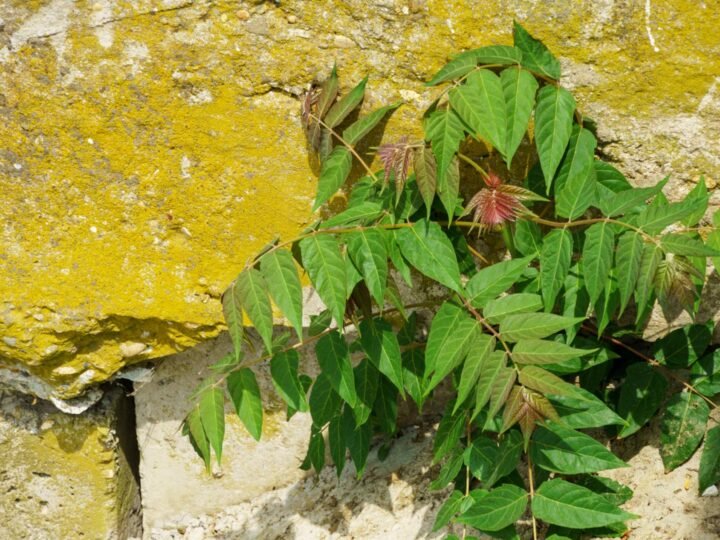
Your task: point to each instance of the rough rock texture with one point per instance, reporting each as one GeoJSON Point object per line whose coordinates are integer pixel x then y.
{"type": "Point", "coordinates": [148, 148]}
{"type": "Point", "coordinates": [175, 484]}
{"type": "Point", "coordinates": [65, 476]}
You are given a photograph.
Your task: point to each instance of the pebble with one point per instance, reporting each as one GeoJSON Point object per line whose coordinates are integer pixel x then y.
{"type": "Point", "coordinates": [712, 491]}
{"type": "Point", "coordinates": [242, 14]}
{"type": "Point", "coordinates": [292, 19]}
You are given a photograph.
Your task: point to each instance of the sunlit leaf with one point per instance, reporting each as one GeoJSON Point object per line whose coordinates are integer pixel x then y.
{"type": "Point", "coordinates": [212, 416]}
{"type": "Point", "coordinates": [480, 102]}
{"type": "Point", "coordinates": [283, 283]}
{"type": "Point", "coordinates": [519, 88]}
{"type": "Point", "coordinates": [465, 62]}
{"type": "Point", "coordinates": [575, 179]}
{"type": "Point", "coordinates": [492, 280]}
{"type": "Point", "coordinates": [501, 507]}
{"type": "Point", "coordinates": [709, 474]}
{"type": "Point", "coordinates": [474, 365]}
{"type": "Point", "coordinates": [245, 395]}
{"type": "Point", "coordinates": [562, 503]}
{"type": "Point", "coordinates": [284, 373]}
{"type": "Point", "coordinates": [535, 55]}
{"type": "Point", "coordinates": [333, 174]}
{"type": "Point", "coordinates": [429, 250]}
{"type": "Point", "coordinates": [555, 258]}
{"type": "Point", "coordinates": [326, 267]}
{"type": "Point", "coordinates": [553, 125]}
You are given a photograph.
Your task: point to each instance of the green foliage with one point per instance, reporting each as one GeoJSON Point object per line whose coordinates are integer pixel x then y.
{"type": "Point", "coordinates": [531, 349]}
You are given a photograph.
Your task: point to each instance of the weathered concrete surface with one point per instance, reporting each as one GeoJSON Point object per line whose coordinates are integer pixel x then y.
{"type": "Point", "coordinates": [148, 148]}
{"type": "Point", "coordinates": [175, 484]}
{"type": "Point", "coordinates": [65, 476]}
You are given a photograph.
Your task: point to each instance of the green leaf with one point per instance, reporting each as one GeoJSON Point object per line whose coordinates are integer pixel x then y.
{"type": "Point", "coordinates": [531, 326]}
{"type": "Point", "coordinates": [492, 367]}
{"type": "Point", "coordinates": [367, 123]}
{"type": "Point", "coordinates": [545, 382]}
{"type": "Point", "coordinates": [448, 472]}
{"type": "Point", "coordinates": [535, 55]}
{"type": "Point", "coordinates": [496, 310]}
{"type": "Point", "coordinates": [651, 257]}
{"type": "Point", "coordinates": [245, 395]}
{"type": "Point", "coordinates": [284, 373]}
{"type": "Point", "coordinates": [555, 259]}
{"type": "Point", "coordinates": [709, 474]}
{"type": "Point", "coordinates": [334, 172]}
{"type": "Point", "coordinates": [528, 239]}
{"type": "Point", "coordinates": [367, 250]}
{"type": "Point", "coordinates": [501, 507]}
{"type": "Point", "coordinates": [452, 332]}
{"type": "Point", "coordinates": [336, 439]}
{"type": "Point", "coordinates": [366, 383]}
{"type": "Point", "coordinates": [232, 310]}
{"type": "Point", "coordinates": [315, 456]}
{"type": "Point", "coordinates": [448, 188]}
{"type": "Point", "coordinates": [363, 212]}
{"type": "Point", "coordinates": [640, 396]}
{"type": "Point", "coordinates": [588, 412]}
{"type": "Point", "coordinates": [448, 434]}
{"type": "Point", "coordinates": [508, 457]}
{"type": "Point", "coordinates": [465, 62]}
{"type": "Point", "coordinates": [559, 449]}
{"type": "Point", "coordinates": [428, 249]}
{"type": "Point", "coordinates": [627, 260]}
{"type": "Point", "coordinates": [357, 440]}
{"type": "Point", "coordinates": [539, 351]}
{"type": "Point", "coordinates": [413, 374]}
{"type": "Point", "coordinates": [320, 322]}
{"type": "Point", "coordinates": [325, 265]}
{"type": "Point", "coordinates": [473, 366]}
{"type": "Point", "coordinates": [381, 345]}
{"type": "Point", "coordinates": [682, 244]}
{"type": "Point", "coordinates": [569, 505]}
{"type": "Point", "coordinates": [705, 374]}
{"type": "Point", "coordinates": [701, 195]}
{"type": "Point", "coordinates": [283, 283]}
{"type": "Point", "coordinates": [480, 102]}
{"type": "Point", "coordinates": [624, 201]}
{"type": "Point", "coordinates": [212, 416]}
{"type": "Point", "coordinates": [499, 392]}
{"type": "Point", "coordinates": [597, 257]}
{"type": "Point", "coordinates": [345, 105]}
{"type": "Point", "coordinates": [682, 428]}
{"type": "Point", "coordinates": [324, 401]}
{"type": "Point", "coordinates": [655, 218]}
{"type": "Point", "coordinates": [333, 356]}
{"type": "Point", "coordinates": [575, 300]}
{"type": "Point", "coordinates": [385, 408]}
{"type": "Point", "coordinates": [493, 280]}
{"type": "Point", "coordinates": [519, 88]}
{"type": "Point", "coordinates": [613, 492]}
{"type": "Point", "coordinates": [445, 131]}
{"type": "Point", "coordinates": [682, 347]}
{"type": "Point", "coordinates": [609, 181]}
{"type": "Point", "coordinates": [426, 176]}
{"type": "Point", "coordinates": [575, 180]}
{"type": "Point", "coordinates": [448, 510]}
{"type": "Point", "coordinates": [252, 289]}
{"type": "Point", "coordinates": [553, 125]}
{"type": "Point", "coordinates": [198, 439]}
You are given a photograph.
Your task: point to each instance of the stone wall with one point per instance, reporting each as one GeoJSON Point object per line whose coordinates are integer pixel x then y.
{"type": "Point", "coordinates": [149, 147]}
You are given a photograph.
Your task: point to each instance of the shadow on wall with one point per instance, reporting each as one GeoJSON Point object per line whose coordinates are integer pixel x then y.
{"type": "Point", "coordinates": [260, 491]}
{"type": "Point", "coordinates": [392, 500]}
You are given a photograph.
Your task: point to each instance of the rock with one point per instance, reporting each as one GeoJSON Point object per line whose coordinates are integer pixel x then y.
{"type": "Point", "coordinates": [175, 484]}
{"type": "Point", "coordinates": [145, 149]}
{"type": "Point", "coordinates": [64, 476]}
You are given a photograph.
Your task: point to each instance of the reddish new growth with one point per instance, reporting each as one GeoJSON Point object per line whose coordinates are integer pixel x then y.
{"type": "Point", "coordinates": [497, 203]}
{"type": "Point", "coordinates": [396, 158]}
